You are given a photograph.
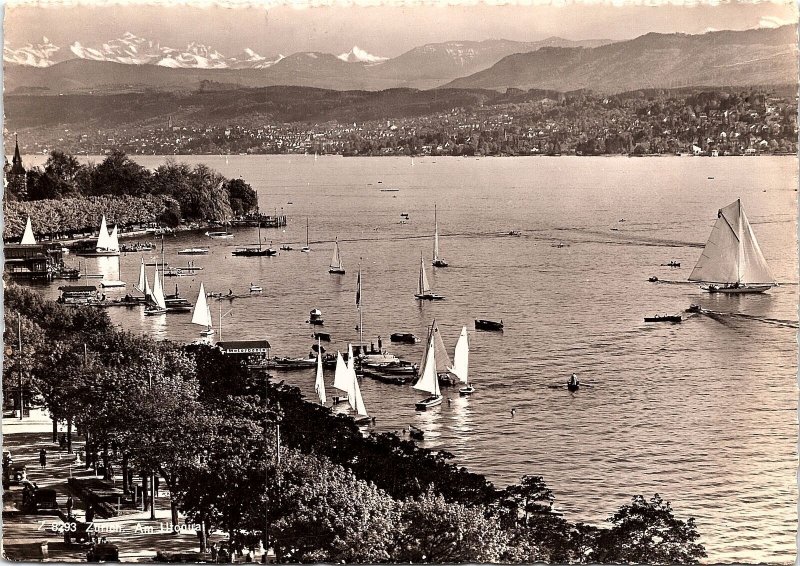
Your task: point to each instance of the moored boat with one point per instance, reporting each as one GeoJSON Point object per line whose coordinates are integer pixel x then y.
{"type": "Point", "coordinates": [481, 324]}
{"type": "Point", "coordinates": [336, 266]}
{"type": "Point", "coordinates": [193, 251]}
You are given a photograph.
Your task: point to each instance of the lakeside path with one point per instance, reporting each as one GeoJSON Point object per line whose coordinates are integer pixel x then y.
{"type": "Point", "coordinates": [137, 536]}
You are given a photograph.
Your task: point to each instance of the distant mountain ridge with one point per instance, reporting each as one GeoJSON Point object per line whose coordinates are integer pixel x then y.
{"type": "Point", "coordinates": [721, 58]}
{"type": "Point", "coordinates": [94, 68]}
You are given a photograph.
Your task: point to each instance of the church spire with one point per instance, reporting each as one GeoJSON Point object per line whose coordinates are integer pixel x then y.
{"type": "Point", "coordinates": [16, 163]}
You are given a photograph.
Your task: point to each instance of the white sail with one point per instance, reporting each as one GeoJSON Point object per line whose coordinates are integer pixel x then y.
{"type": "Point", "coordinates": [357, 402]}
{"type": "Point", "coordinates": [319, 384]}
{"type": "Point", "coordinates": [435, 236]}
{"type": "Point", "coordinates": [351, 377]}
{"type": "Point", "coordinates": [424, 286]}
{"type": "Point", "coordinates": [201, 314]}
{"type": "Point", "coordinates": [113, 240]}
{"type": "Point", "coordinates": [340, 376]}
{"type": "Point", "coordinates": [461, 366]}
{"type": "Point", "coordinates": [429, 380]}
{"type": "Point", "coordinates": [103, 239]}
{"type": "Point", "coordinates": [142, 283]}
{"type": "Point", "coordinates": [732, 253]}
{"type": "Point", "coordinates": [158, 293]}
{"type": "Point", "coordinates": [27, 238]}
{"type": "Point", "coordinates": [443, 362]}
{"type": "Point", "coordinates": [336, 260]}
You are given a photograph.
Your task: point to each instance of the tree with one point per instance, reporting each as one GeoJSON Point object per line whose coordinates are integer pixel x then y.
{"type": "Point", "coordinates": [119, 175]}
{"type": "Point", "coordinates": [242, 197]}
{"type": "Point", "coordinates": [648, 532]}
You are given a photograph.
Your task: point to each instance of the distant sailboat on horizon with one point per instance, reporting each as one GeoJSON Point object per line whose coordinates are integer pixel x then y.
{"type": "Point", "coordinates": [732, 261]}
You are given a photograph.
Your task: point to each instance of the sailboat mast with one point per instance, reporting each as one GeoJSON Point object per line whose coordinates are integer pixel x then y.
{"type": "Point", "coordinates": [740, 254]}
{"type": "Point", "coordinates": [435, 235]}
{"type": "Point", "coordinates": [220, 321]}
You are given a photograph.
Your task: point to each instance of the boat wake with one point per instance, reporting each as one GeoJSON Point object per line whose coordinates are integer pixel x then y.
{"type": "Point", "coordinates": [719, 316]}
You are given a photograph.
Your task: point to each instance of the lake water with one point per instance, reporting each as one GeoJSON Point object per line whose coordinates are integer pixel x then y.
{"type": "Point", "coordinates": [703, 412]}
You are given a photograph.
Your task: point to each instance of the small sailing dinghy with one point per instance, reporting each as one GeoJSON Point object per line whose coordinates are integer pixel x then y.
{"type": "Point", "coordinates": [202, 313]}
{"type": "Point", "coordinates": [429, 380]}
{"type": "Point", "coordinates": [437, 261]}
{"type": "Point", "coordinates": [461, 363]}
{"type": "Point", "coordinates": [336, 261]}
{"type": "Point", "coordinates": [157, 305]}
{"type": "Point", "coordinates": [732, 261]}
{"type": "Point", "coordinates": [319, 383]}
{"type": "Point", "coordinates": [425, 292]}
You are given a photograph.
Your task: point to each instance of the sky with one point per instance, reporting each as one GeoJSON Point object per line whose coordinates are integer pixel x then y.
{"type": "Point", "coordinates": [387, 30]}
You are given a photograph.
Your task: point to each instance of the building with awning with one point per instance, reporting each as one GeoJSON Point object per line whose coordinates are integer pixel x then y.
{"type": "Point", "coordinates": [252, 353]}
{"type": "Point", "coordinates": [32, 261]}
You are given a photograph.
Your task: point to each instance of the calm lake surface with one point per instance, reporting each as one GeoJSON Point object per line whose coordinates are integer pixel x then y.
{"type": "Point", "coordinates": [703, 412]}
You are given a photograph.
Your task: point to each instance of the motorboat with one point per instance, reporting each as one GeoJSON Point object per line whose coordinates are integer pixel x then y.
{"type": "Point", "coordinates": [663, 318]}
{"type": "Point", "coordinates": [481, 324]}
{"type": "Point", "coordinates": [219, 235]}
{"type": "Point", "coordinates": [671, 264]}
{"type": "Point", "coordinates": [286, 248]}
{"type": "Point", "coordinates": [193, 251]}
{"type": "Point", "coordinates": [324, 336]}
{"type": "Point", "coordinates": [287, 364]}
{"type": "Point", "coordinates": [255, 288]}
{"type": "Point", "coordinates": [404, 337]}
{"type": "Point", "coordinates": [652, 279]}
{"type": "Point", "coordinates": [315, 317]}
{"type": "Point", "coordinates": [415, 433]}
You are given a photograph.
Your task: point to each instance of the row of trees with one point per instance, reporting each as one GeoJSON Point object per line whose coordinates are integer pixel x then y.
{"type": "Point", "coordinates": [62, 194]}
{"type": "Point", "coordinates": [253, 459]}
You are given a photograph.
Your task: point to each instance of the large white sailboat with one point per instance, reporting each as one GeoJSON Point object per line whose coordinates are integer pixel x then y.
{"type": "Point", "coordinates": [424, 291]}
{"type": "Point", "coordinates": [460, 367]}
{"type": "Point", "coordinates": [157, 305]}
{"type": "Point", "coordinates": [107, 244]}
{"type": "Point", "coordinates": [437, 261]}
{"type": "Point", "coordinates": [429, 380]}
{"type": "Point", "coordinates": [336, 261]}
{"type": "Point", "coordinates": [732, 261]}
{"type": "Point", "coordinates": [202, 313]}
{"type": "Point", "coordinates": [28, 238]}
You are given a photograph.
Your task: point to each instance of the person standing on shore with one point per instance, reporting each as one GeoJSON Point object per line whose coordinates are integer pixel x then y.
{"type": "Point", "coordinates": [43, 458]}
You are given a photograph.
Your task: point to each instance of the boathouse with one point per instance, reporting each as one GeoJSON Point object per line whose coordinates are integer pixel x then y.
{"type": "Point", "coordinates": [77, 294]}
{"type": "Point", "coordinates": [253, 353]}
{"type": "Point", "coordinates": [33, 261]}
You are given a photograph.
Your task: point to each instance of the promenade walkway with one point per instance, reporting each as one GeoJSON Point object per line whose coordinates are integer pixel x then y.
{"type": "Point", "coordinates": [137, 536]}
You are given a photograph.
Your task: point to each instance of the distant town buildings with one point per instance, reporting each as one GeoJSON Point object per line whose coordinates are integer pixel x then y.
{"type": "Point", "coordinates": [719, 123]}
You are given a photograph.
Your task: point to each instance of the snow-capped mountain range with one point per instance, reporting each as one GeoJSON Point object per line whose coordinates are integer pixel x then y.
{"type": "Point", "coordinates": [131, 49]}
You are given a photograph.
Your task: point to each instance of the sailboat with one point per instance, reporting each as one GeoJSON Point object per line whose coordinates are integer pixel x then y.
{"type": "Point", "coordinates": [142, 285]}
{"type": "Point", "coordinates": [354, 395]}
{"type": "Point", "coordinates": [732, 261]}
{"type": "Point", "coordinates": [437, 261]}
{"type": "Point", "coordinates": [157, 305]}
{"type": "Point", "coordinates": [202, 313]}
{"type": "Point", "coordinates": [336, 261]}
{"type": "Point", "coordinates": [107, 244]}
{"type": "Point", "coordinates": [425, 293]}
{"type": "Point", "coordinates": [461, 363]}
{"type": "Point", "coordinates": [28, 238]}
{"type": "Point", "coordinates": [429, 380]}
{"type": "Point", "coordinates": [306, 249]}
{"type": "Point", "coordinates": [319, 383]}
{"type": "Point", "coordinates": [340, 378]}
